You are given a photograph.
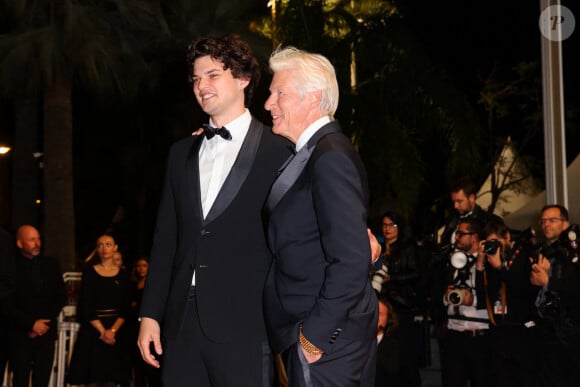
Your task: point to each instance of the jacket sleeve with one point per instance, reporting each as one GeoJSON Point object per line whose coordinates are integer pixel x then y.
{"type": "Point", "coordinates": [339, 201]}
{"type": "Point", "coordinates": [163, 250]}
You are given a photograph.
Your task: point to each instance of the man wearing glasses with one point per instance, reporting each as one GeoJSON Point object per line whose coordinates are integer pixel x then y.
{"type": "Point", "coordinates": [466, 346]}
{"type": "Point", "coordinates": [557, 270]}
{"type": "Point", "coordinates": [554, 221]}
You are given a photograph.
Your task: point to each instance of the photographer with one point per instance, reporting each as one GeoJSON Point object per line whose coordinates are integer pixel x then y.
{"type": "Point", "coordinates": [463, 193]}
{"type": "Point", "coordinates": [511, 305]}
{"type": "Point", "coordinates": [465, 343]}
{"type": "Point", "coordinates": [557, 271]}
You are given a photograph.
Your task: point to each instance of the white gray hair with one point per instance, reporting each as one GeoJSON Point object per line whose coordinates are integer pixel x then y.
{"type": "Point", "coordinates": [312, 72]}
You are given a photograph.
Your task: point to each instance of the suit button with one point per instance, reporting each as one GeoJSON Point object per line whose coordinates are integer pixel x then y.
{"type": "Point", "coordinates": [204, 232]}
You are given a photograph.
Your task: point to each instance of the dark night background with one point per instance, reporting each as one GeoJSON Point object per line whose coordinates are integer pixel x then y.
{"type": "Point", "coordinates": [120, 143]}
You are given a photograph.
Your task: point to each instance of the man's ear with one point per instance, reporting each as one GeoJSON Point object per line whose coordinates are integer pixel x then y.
{"type": "Point", "coordinates": [314, 97]}
{"type": "Point", "coordinates": [243, 82]}
{"type": "Point", "coordinates": [19, 243]}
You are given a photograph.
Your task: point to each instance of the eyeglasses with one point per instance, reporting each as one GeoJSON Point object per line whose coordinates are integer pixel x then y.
{"type": "Point", "coordinates": [462, 233]}
{"type": "Point", "coordinates": [393, 225]}
{"type": "Point", "coordinates": [550, 220]}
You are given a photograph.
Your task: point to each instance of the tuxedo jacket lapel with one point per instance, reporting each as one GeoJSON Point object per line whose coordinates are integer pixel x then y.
{"type": "Point", "coordinates": [288, 177]}
{"type": "Point", "coordinates": [238, 173]}
{"type": "Point", "coordinates": [294, 168]}
{"type": "Point", "coordinates": [192, 175]}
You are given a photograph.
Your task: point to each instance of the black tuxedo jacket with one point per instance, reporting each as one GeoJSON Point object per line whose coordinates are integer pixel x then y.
{"type": "Point", "coordinates": [317, 231]}
{"type": "Point", "coordinates": [227, 249]}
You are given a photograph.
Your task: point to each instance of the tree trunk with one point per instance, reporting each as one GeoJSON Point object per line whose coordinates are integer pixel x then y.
{"type": "Point", "coordinates": [26, 173]}
{"type": "Point", "coordinates": [59, 218]}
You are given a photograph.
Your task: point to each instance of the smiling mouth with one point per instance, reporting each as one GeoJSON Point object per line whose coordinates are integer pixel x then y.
{"type": "Point", "coordinates": [205, 97]}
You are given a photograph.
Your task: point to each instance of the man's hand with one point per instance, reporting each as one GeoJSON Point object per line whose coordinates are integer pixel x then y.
{"type": "Point", "coordinates": [540, 271]}
{"type": "Point", "coordinates": [467, 297]}
{"type": "Point", "coordinates": [149, 332]}
{"type": "Point", "coordinates": [375, 246]}
{"type": "Point", "coordinates": [494, 260]}
{"type": "Point", "coordinates": [40, 327]}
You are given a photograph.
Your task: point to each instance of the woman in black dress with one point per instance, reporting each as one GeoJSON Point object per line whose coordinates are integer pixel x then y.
{"type": "Point", "coordinates": [100, 357]}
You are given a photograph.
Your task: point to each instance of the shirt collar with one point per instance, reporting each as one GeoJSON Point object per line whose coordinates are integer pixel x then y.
{"type": "Point", "coordinates": [309, 132]}
{"type": "Point", "coordinates": [238, 126]}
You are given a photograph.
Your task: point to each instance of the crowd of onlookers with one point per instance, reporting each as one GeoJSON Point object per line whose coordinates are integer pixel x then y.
{"type": "Point", "coordinates": [504, 306]}
{"type": "Point", "coordinates": [33, 294]}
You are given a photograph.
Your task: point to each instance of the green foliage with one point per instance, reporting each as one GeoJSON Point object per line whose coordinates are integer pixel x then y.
{"type": "Point", "coordinates": [513, 108]}
{"type": "Point", "coordinates": [413, 129]}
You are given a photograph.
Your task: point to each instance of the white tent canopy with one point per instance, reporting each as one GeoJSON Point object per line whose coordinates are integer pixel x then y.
{"type": "Point", "coordinates": [510, 200]}
{"type": "Point", "coordinates": [529, 213]}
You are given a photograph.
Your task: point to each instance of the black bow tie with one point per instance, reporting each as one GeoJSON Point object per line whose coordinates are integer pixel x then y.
{"type": "Point", "coordinates": [210, 131]}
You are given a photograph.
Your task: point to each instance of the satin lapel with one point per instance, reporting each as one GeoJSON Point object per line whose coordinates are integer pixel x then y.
{"type": "Point", "coordinates": [239, 172]}
{"type": "Point", "coordinates": [192, 175]}
{"type": "Point", "coordinates": [294, 168]}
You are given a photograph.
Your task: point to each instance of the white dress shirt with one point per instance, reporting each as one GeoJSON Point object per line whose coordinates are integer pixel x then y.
{"type": "Point", "coordinates": [216, 159]}
{"type": "Point", "coordinates": [309, 132]}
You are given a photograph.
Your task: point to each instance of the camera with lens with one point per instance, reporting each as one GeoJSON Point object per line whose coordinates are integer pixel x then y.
{"type": "Point", "coordinates": [565, 246]}
{"type": "Point", "coordinates": [461, 260]}
{"type": "Point", "coordinates": [379, 277]}
{"type": "Point", "coordinates": [548, 251]}
{"type": "Point", "coordinates": [457, 294]}
{"type": "Point", "coordinates": [506, 256]}
{"type": "Point", "coordinates": [490, 247]}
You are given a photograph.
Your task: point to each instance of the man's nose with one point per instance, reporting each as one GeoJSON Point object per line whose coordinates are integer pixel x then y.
{"type": "Point", "coordinates": [199, 84]}
{"type": "Point", "coordinates": [268, 103]}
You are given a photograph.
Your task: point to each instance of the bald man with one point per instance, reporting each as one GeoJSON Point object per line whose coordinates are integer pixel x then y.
{"type": "Point", "coordinates": [38, 298]}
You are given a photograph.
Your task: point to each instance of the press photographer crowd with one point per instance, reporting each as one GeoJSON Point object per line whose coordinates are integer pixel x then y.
{"type": "Point", "coordinates": [503, 305]}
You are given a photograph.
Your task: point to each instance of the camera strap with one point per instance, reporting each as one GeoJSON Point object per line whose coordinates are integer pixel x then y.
{"type": "Point", "coordinates": [488, 302]}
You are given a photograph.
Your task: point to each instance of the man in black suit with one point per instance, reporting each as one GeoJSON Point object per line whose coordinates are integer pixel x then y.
{"type": "Point", "coordinates": [557, 271]}
{"type": "Point", "coordinates": [320, 306]}
{"type": "Point", "coordinates": [463, 192]}
{"type": "Point", "coordinates": [39, 295]}
{"type": "Point", "coordinates": [209, 261]}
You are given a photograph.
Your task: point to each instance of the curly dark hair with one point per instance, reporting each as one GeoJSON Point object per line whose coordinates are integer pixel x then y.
{"type": "Point", "coordinates": [234, 53]}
